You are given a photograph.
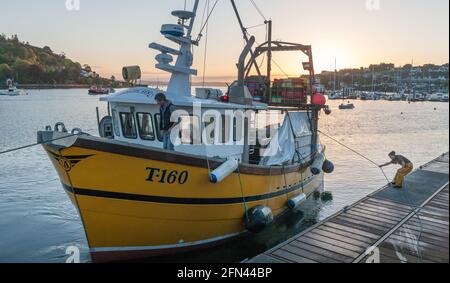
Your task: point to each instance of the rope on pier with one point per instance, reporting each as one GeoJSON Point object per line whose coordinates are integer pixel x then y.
{"type": "Point", "coordinates": [408, 200]}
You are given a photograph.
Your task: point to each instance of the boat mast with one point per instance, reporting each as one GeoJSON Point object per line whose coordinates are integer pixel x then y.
{"type": "Point", "coordinates": [192, 21]}
{"type": "Point", "coordinates": [181, 33]}
{"type": "Point", "coordinates": [246, 38]}
{"type": "Point", "coordinates": [269, 61]}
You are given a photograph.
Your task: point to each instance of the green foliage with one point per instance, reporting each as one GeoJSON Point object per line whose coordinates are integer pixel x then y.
{"type": "Point", "coordinates": [5, 72]}
{"type": "Point", "coordinates": [33, 65]}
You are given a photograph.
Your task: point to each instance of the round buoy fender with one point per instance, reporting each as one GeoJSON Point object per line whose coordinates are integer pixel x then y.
{"type": "Point", "coordinates": [258, 218]}
{"type": "Point", "coordinates": [328, 167]}
{"type": "Point", "coordinates": [318, 99]}
{"type": "Point", "coordinates": [316, 167]}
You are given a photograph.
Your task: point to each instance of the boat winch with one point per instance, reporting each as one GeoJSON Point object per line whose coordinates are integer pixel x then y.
{"type": "Point", "coordinates": [223, 171]}
{"type": "Point", "coordinates": [293, 203]}
{"type": "Point", "coordinates": [258, 218]}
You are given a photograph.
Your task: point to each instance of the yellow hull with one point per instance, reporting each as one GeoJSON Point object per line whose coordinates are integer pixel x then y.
{"type": "Point", "coordinates": [131, 208]}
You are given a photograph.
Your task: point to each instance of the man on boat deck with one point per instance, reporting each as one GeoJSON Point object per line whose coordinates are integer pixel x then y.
{"type": "Point", "coordinates": [407, 167]}
{"type": "Point", "coordinates": [166, 126]}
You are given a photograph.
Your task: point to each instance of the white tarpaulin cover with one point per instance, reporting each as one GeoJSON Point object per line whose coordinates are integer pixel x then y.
{"type": "Point", "coordinates": [285, 147]}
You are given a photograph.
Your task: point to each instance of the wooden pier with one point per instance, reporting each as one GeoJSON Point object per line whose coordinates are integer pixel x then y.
{"type": "Point", "coordinates": [388, 226]}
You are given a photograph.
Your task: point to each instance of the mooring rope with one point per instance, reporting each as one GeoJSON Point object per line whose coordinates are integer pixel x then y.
{"type": "Point", "coordinates": [242, 193]}
{"type": "Point", "coordinates": [357, 153]}
{"type": "Point", "coordinates": [407, 199]}
{"type": "Point", "coordinates": [36, 144]}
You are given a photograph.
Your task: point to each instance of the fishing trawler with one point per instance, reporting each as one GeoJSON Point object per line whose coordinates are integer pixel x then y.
{"type": "Point", "coordinates": [238, 162]}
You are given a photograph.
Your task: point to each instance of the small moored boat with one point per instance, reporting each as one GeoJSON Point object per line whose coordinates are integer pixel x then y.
{"type": "Point", "coordinates": [98, 90]}
{"type": "Point", "coordinates": [12, 90]}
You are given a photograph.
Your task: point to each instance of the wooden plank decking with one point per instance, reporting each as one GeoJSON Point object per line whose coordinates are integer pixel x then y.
{"type": "Point", "coordinates": [386, 226]}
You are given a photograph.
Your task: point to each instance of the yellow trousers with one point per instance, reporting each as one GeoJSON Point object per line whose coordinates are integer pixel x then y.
{"type": "Point", "coordinates": [402, 173]}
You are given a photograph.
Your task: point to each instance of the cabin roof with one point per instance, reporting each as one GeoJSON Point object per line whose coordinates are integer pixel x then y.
{"type": "Point", "coordinates": [145, 95]}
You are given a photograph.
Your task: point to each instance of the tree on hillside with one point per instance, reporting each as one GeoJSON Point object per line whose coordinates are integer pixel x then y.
{"type": "Point", "coordinates": [15, 39]}
{"type": "Point", "coordinates": [5, 73]}
{"type": "Point", "coordinates": [47, 50]}
{"type": "Point", "coordinates": [35, 73]}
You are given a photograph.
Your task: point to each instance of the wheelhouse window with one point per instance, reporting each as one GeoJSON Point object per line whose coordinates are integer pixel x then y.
{"type": "Point", "coordinates": [145, 126]}
{"type": "Point", "coordinates": [190, 130]}
{"type": "Point", "coordinates": [158, 127]}
{"type": "Point", "coordinates": [227, 124]}
{"type": "Point", "coordinates": [115, 123]}
{"type": "Point", "coordinates": [128, 125]}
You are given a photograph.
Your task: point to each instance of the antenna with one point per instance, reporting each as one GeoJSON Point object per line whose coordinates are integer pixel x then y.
{"type": "Point", "coordinates": [180, 33]}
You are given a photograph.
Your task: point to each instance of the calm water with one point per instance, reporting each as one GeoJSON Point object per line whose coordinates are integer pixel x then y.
{"type": "Point", "coordinates": [38, 223]}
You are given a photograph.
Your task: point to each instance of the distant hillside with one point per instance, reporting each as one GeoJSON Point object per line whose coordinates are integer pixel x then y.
{"type": "Point", "coordinates": [28, 64]}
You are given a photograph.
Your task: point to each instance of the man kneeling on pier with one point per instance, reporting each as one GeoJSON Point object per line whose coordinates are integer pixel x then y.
{"type": "Point", "coordinates": [407, 168]}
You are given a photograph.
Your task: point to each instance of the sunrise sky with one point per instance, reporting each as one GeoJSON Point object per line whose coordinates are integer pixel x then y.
{"type": "Point", "coordinates": [110, 34]}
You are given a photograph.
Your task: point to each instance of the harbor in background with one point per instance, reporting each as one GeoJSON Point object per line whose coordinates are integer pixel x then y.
{"type": "Point", "coordinates": [41, 223]}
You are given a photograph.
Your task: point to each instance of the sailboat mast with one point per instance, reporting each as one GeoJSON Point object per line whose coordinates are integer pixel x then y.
{"type": "Point", "coordinates": [335, 71]}
{"type": "Point", "coordinates": [373, 80]}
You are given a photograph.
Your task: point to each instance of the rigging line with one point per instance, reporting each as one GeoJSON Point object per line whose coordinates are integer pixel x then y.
{"type": "Point", "coordinates": [206, 46]}
{"type": "Point", "coordinates": [209, 15]}
{"type": "Point", "coordinates": [259, 10]}
{"type": "Point", "coordinates": [36, 144]}
{"type": "Point", "coordinates": [264, 55]}
{"type": "Point", "coordinates": [262, 61]}
{"type": "Point", "coordinates": [204, 13]}
{"type": "Point", "coordinates": [255, 26]}
{"type": "Point", "coordinates": [279, 67]}
{"type": "Point", "coordinates": [273, 60]}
